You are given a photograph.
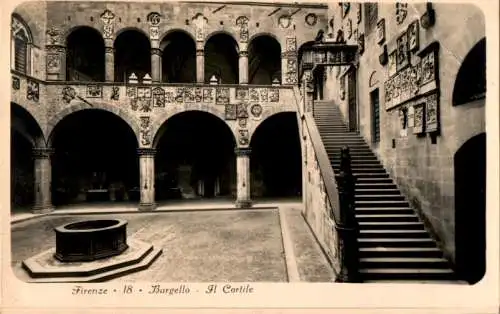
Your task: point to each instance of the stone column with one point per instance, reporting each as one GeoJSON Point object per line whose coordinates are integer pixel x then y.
{"type": "Point", "coordinates": [147, 178]}
{"type": "Point", "coordinates": [200, 66]}
{"type": "Point", "coordinates": [243, 67]}
{"type": "Point", "coordinates": [243, 177]}
{"type": "Point", "coordinates": [156, 65]}
{"type": "Point", "coordinates": [109, 64]}
{"type": "Point", "coordinates": [43, 178]}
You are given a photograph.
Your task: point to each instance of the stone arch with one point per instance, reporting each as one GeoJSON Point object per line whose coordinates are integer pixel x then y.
{"type": "Point", "coordinates": [470, 81]}
{"type": "Point", "coordinates": [222, 57]}
{"type": "Point", "coordinates": [224, 32]}
{"type": "Point", "coordinates": [132, 47]}
{"type": "Point", "coordinates": [373, 79]}
{"type": "Point", "coordinates": [20, 25]}
{"type": "Point", "coordinates": [122, 30]}
{"type": "Point", "coordinates": [180, 29]}
{"type": "Point", "coordinates": [78, 106]}
{"type": "Point", "coordinates": [266, 117]}
{"type": "Point", "coordinates": [21, 41]}
{"type": "Point", "coordinates": [157, 124]}
{"type": "Point", "coordinates": [279, 39]}
{"type": "Point", "coordinates": [72, 29]}
{"type": "Point", "coordinates": [32, 131]}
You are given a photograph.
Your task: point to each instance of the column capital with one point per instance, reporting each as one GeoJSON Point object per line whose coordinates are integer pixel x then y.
{"type": "Point", "coordinates": [243, 54]}
{"type": "Point", "coordinates": [200, 52]}
{"type": "Point", "coordinates": [156, 51]}
{"type": "Point", "coordinates": [109, 49]}
{"type": "Point", "coordinates": [146, 151]}
{"type": "Point", "coordinates": [42, 152]}
{"type": "Point", "coordinates": [243, 151]}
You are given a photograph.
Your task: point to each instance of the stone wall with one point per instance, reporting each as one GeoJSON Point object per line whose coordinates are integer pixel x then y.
{"type": "Point", "coordinates": [419, 159]}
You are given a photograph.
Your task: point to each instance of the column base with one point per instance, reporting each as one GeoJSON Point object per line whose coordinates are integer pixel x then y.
{"type": "Point", "coordinates": [243, 203]}
{"type": "Point", "coordinates": [42, 208]}
{"type": "Point", "coordinates": [147, 206]}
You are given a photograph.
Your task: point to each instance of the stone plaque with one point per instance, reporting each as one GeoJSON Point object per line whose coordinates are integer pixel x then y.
{"type": "Point", "coordinates": [242, 111]}
{"type": "Point", "coordinates": [33, 90]}
{"type": "Point", "coordinates": [392, 63]}
{"type": "Point", "coordinates": [243, 137]}
{"type": "Point", "coordinates": [169, 97]}
{"type": "Point", "coordinates": [53, 63]}
{"type": "Point", "coordinates": [158, 97]}
{"type": "Point", "coordinates": [419, 119]}
{"type": "Point", "coordinates": [413, 36]}
{"type": "Point", "coordinates": [432, 113]}
{"type": "Point", "coordinates": [263, 95]}
{"type": "Point", "coordinates": [189, 94]}
{"type": "Point", "coordinates": [115, 93]}
{"type": "Point", "coordinates": [230, 112]}
{"type": "Point", "coordinates": [256, 111]}
{"type": "Point", "coordinates": [94, 91]}
{"type": "Point", "coordinates": [222, 95]}
{"type": "Point", "coordinates": [254, 94]}
{"type": "Point", "coordinates": [143, 92]}
{"type": "Point", "coordinates": [401, 12]}
{"type": "Point", "coordinates": [241, 93]}
{"type": "Point", "coordinates": [198, 94]}
{"type": "Point", "coordinates": [131, 91]}
{"type": "Point", "coordinates": [68, 94]}
{"type": "Point", "coordinates": [274, 95]}
{"type": "Point", "coordinates": [208, 95]}
{"type": "Point", "coordinates": [381, 31]}
{"type": "Point", "coordinates": [179, 94]}
{"type": "Point", "coordinates": [291, 44]}
{"type": "Point", "coordinates": [402, 52]}
{"type": "Point", "coordinates": [16, 83]}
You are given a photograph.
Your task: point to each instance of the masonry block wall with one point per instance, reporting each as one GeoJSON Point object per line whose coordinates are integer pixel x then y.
{"type": "Point", "coordinates": [420, 162]}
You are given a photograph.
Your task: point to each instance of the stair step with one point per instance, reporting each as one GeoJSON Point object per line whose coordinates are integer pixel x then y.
{"type": "Point", "coordinates": [360, 170]}
{"type": "Point", "coordinates": [372, 176]}
{"type": "Point", "coordinates": [375, 186]}
{"type": "Point", "coordinates": [400, 252]}
{"type": "Point", "coordinates": [407, 273]}
{"type": "Point", "coordinates": [386, 191]}
{"type": "Point", "coordinates": [396, 242]}
{"type": "Point", "coordinates": [386, 233]}
{"type": "Point", "coordinates": [379, 198]}
{"type": "Point", "coordinates": [403, 262]}
{"type": "Point", "coordinates": [384, 211]}
{"type": "Point", "coordinates": [386, 217]}
{"type": "Point", "coordinates": [393, 225]}
{"type": "Point", "coordinates": [381, 203]}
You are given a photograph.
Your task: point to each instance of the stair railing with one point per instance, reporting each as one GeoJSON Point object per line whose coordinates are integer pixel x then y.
{"type": "Point", "coordinates": [329, 212]}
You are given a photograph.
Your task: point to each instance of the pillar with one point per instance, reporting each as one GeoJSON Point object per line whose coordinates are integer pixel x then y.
{"type": "Point", "coordinates": [200, 66]}
{"type": "Point", "coordinates": [147, 178]}
{"type": "Point", "coordinates": [243, 177]}
{"type": "Point", "coordinates": [243, 67]}
{"type": "Point", "coordinates": [109, 64]}
{"type": "Point", "coordinates": [156, 65]}
{"type": "Point", "coordinates": [43, 178]}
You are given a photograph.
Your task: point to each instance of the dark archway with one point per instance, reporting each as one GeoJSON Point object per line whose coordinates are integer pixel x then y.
{"type": "Point", "coordinates": [85, 55]}
{"type": "Point", "coordinates": [276, 160]}
{"type": "Point", "coordinates": [470, 83]}
{"type": "Point", "coordinates": [470, 209]}
{"type": "Point", "coordinates": [178, 58]}
{"type": "Point", "coordinates": [95, 159]}
{"type": "Point", "coordinates": [195, 157]}
{"type": "Point", "coordinates": [132, 55]}
{"type": "Point", "coordinates": [221, 59]}
{"type": "Point", "coordinates": [25, 135]}
{"type": "Point", "coordinates": [264, 60]}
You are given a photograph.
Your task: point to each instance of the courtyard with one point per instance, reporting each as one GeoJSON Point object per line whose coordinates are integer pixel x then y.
{"type": "Point", "coordinates": [267, 244]}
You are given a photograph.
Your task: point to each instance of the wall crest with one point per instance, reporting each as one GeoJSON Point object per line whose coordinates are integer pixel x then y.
{"type": "Point", "coordinates": [242, 22]}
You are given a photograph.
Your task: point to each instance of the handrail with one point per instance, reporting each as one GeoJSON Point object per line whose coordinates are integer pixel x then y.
{"type": "Point", "coordinates": [325, 167]}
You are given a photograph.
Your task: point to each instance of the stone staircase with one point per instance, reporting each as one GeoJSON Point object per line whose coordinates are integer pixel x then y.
{"type": "Point", "coordinates": [394, 244]}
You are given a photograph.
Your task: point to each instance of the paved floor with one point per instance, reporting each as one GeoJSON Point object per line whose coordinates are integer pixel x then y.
{"type": "Point", "coordinates": [202, 245]}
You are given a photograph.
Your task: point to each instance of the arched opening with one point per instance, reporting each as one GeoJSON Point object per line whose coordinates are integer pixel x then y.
{"type": "Point", "coordinates": [25, 135]}
{"type": "Point", "coordinates": [221, 59]}
{"type": "Point", "coordinates": [178, 58]}
{"type": "Point", "coordinates": [195, 158]}
{"type": "Point", "coordinates": [132, 55]}
{"type": "Point", "coordinates": [21, 40]}
{"type": "Point", "coordinates": [85, 55]}
{"type": "Point", "coordinates": [95, 159]}
{"type": "Point", "coordinates": [276, 161]}
{"type": "Point", "coordinates": [470, 83]}
{"type": "Point", "coordinates": [470, 209]}
{"type": "Point", "coordinates": [264, 60]}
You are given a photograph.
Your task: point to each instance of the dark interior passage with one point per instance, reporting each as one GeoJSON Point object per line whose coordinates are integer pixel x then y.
{"type": "Point", "coordinates": [275, 163]}
{"type": "Point", "coordinates": [221, 59]}
{"type": "Point", "coordinates": [132, 55]}
{"type": "Point", "coordinates": [178, 58]}
{"type": "Point", "coordinates": [264, 60]}
{"type": "Point", "coordinates": [470, 209]}
{"type": "Point", "coordinates": [85, 55]}
{"type": "Point", "coordinates": [195, 158]}
{"type": "Point", "coordinates": [95, 159]}
{"type": "Point", "coordinates": [25, 134]}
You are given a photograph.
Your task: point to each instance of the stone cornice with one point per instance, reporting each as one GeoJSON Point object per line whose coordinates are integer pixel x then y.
{"type": "Point", "coordinates": [243, 151]}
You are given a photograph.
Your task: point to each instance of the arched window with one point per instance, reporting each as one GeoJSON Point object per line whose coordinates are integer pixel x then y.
{"type": "Point", "coordinates": [21, 42]}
